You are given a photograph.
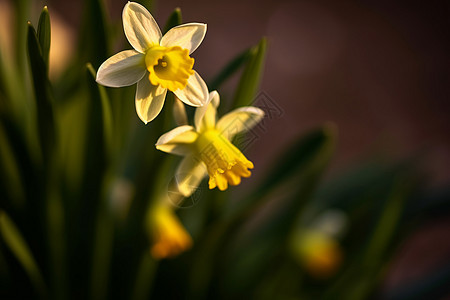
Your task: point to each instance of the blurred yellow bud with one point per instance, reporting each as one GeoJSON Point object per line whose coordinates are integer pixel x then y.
{"type": "Point", "coordinates": [169, 236]}
{"type": "Point", "coordinates": [317, 252]}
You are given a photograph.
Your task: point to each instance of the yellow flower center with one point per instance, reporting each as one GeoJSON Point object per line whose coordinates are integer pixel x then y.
{"type": "Point", "coordinates": [169, 67]}
{"type": "Point", "coordinates": [225, 163]}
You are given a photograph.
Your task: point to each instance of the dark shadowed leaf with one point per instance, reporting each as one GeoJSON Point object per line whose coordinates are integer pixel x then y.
{"type": "Point", "coordinates": [230, 69]}
{"type": "Point", "coordinates": [44, 34]}
{"type": "Point", "coordinates": [251, 78]}
{"type": "Point", "coordinates": [18, 246]}
{"type": "Point", "coordinates": [43, 95]}
{"type": "Point", "coordinates": [174, 19]}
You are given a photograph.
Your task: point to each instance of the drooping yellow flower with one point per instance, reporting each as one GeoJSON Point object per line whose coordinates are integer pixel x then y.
{"type": "Point", "coordinates": [207, 147]}
{"type": "Point", "coordinates": [168, 234]}
{"type": "Point", "coordinates": [317, 247]}
{"type": "Point", "coordinates": [157, 63]}
{"type": "Point", "coordinates": [319, 253]}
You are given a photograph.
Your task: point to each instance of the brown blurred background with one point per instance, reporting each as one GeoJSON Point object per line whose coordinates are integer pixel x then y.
{"type": "Point", "coordinates": [378, 69]}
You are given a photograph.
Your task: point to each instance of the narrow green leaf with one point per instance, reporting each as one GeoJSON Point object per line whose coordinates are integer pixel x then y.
{"type": "Point", "coordinates": [145, 274]}
{"type": "Point", "coordinates": [388, 223]}
{"type": "Point", "coordinates": [4, 270]}
{"type": "Point", "coordinates": [106, 112]}
{"type": "Point", "coordinates": [21, 154]}
{"type": "Point", "coordinates": [103, 246]}
{"type": "Point", "coordinates": [43, 95]}
{"type": "Point", "coordinates": [94, 40]}
{"type": "Point", "coordinates": [100, 116]}
{"type": "Point", "coordinates": [10, 177]}
{"type": "Point", "coordinates": [174, 19]}
{"type": "Point", "coordinates": [251, 78]}
{"type": "Point", "coordinates": [57, 240]}
{"type": "Point", "coordinates": [44, 34]}
{"type": "Point", "coordinates": [18, 246]}
{"type": "Point", "coordinates": [21, 14]}
{"type": "Point", "coordinates": [231, 68]}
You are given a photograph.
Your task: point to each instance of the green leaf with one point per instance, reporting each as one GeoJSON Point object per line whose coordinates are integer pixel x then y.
{"type": "Point", "coordinates": [57, 240]}
{"type": "Point", "coordinates": [94, 40]}
{"type": "Point", "coordinates": [98, 91]}
{"type": "Point", "coordinates": [231, 68]}
{"type": "Point", "coordinates": [22, 10]}
{"type": "Point", "coordinates": [251, 78]}
{"type": "Point", "coordinates": [174, 19]}
{"type": "Point", "coordinates": [387, 224]}
{"type": "Point", "coordinates": [102, 253]}
{"type": "Point", "coordinates": [18, 246]}
{"type": "Point", "coordinates": [144, 277]}
{"type": "Point", "coordinates": [44, 34]}
{"type": "Point", "coordinates": [100, 139]}
{"type": "Point", "coordinates": [43, 95]}
{"type": "Point", "coordinates": [10, 177]}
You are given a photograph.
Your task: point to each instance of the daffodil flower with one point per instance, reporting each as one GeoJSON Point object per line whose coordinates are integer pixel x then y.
{"type": "Point", "coordinates": [169, 236]}
{"type": "Point", "coordinates": [207, 147]}
{"type": "Point", "coordinates": [319, 253]}
{"type": "Point", "coordinates": [157, 63]}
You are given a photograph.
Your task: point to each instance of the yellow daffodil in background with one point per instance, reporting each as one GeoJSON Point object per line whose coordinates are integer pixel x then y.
{"type": "Point", "coordinates": [207, 147]}
{"type": "Point", "coordinates": [157, 63]}
{"type": "Point", "coordinates": [317, 247]}
{"type": "Point", "coordinates": [319, 253]}
{"type": "Point", "coordinates": [169, 236]}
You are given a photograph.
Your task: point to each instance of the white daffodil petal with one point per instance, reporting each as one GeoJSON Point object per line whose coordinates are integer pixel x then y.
{"type": "Point", "coordinates": [189, 174]}
{"type": "Point", "coordinates": [195, 93]}
{"type": "Point", "coordinates": [178, 141]}
{"type": "Point", "coordinates": [239, 120]}
{"type": "Point", "coordinates": [188, 36]}
{"type": "Point", "coordinates": [140, 28]}
{"type": "Point", "coordinates": [205, 116]}
{"type": "Point", "coordinates": [149, 99]}
{"type": "Point", "coordinates": [123, 69]}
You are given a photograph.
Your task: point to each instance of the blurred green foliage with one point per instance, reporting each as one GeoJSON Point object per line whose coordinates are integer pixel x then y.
{"type": "Point", "coordinates": [79, 172]}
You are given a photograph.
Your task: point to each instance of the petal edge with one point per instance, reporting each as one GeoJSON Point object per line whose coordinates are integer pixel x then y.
{"type": "Point", "coordinates": [239, 120]}
{"type": "Point", "coordinates": [122, 69]}
{"type": "Point", "coordinates": [177, 141]}
{"type": "Point", "coordinates": [195, 93]}
{"type": "Point", "coordinates": [140, 27]}
{"type": "Point", "coordinates": [188, 36]}
{"type": "Point", "coordinates": [149, 100]}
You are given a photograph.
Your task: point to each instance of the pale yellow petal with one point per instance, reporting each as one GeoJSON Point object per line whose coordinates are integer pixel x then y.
{"type": "Point", "coordinates": [189, 174]}
{"type": "Point", "coordinates": [140, 27]}
{"type": "Point", "coordinates": [205, 116]}
{"type": "Point", "coordinates": [188, 36]}
{"type": "Point", "coordinates": [149, 100]}
{"type": "Point", "coordinates": [239, 120]}
{"type": "Point", "coordinates": [195, 93]}
{"type": "Point", "coordinates": [123, 69]}
{"type": "Point", "coordinates": [178, 141]}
